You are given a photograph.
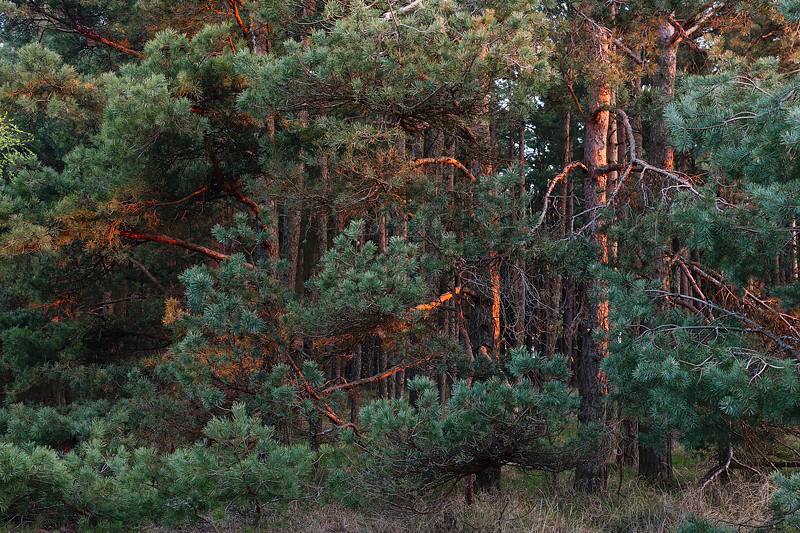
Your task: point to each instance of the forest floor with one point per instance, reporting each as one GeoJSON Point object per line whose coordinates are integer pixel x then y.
{"type": "Point", "coordinates": [529, 503]}
{"type": "Point", "coordinates": [542, 503]}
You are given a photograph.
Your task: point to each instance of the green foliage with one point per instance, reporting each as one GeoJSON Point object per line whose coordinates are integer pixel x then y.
{"type": "Point", "coordinates": [441, 70]}
{"type": "Point", "coordinates": [786, 498]}
{"type": "Point", "coordinates": [742, 120]}
{"type": "Point", "coordinates": [229, 330]}
{"type": "Point", "coordinates": [57, 427]}
{"type": "Point", "coordinates": [239, 465]}
{"type": "Point", "coordinates": [703, 379]}
{"type": "Point", "coordinates": [108, 478]}
{"type": "Point", "coordinates": [359, 290]}
{"type": "Point", "coordinates": [414, 450]}
{"type": "Point", "coordinates": [700, 525]}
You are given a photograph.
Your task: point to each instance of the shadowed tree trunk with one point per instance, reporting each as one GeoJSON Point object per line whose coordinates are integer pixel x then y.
{"type": "Point", "coordinates": [656, 463]}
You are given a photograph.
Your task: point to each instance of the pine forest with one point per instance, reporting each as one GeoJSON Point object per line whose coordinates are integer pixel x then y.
{"type": "Point", "coordinates": [400, 265]}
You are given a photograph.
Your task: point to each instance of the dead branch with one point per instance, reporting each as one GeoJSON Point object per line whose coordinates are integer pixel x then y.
{"type": "Point", "coordinates": [559, 177]}
{"type": "Point", "coordinates": [146, 272]}
{"type": "Point", "coordinates": [682, 36]}
{"type": "Point", "coordinates": [754, 327]}
{"type": "Point", "coordinates": [691, 279]}
{"type": "Point", "coordinates": [632, 159]}
{"type": "Point", "coordinates": [715, 472]}
{"type": "Point", "coordinates": [630, 53]}
{"type": "Point", "coordinates": [390, 14]}
{"type": "Point", "coordinates": [709, 12]}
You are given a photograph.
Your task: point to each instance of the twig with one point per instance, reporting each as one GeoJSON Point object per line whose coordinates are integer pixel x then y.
{"type": "Point", "coordinates": [714, 473]}
{"type": "Point", "coordinates": [147, 273]}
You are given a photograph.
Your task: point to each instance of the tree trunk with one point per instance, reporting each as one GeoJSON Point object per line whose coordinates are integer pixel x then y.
{"type": "Point", "coordinates": [627, 450]}
{"type": "Point", "coordinates": [591, 475]}
{"type": "Point", "coordinates": [355, 396]}
{"type": "Point", "coordinates": [292, 242]}
{"type": "Point", "coordinates": [657, 464]}
{"type": "Point", "coordinates": [488, 480]}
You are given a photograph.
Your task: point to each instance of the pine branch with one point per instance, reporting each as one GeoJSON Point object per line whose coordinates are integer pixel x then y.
{"type": "Point", "coordinates": [68, 24]}
{"type": "Point", "coordinates": [245, 32]}
{"type": "Point", "coordinates": [325, 408]}
{"type": "Point", "coordinates": [442, 299]}
{"type": "Point", "coordinates": [447, 160]}
{"type": "Point", "coordinates": [633, 55]}
{"type": "Point", "coordinates": [378, 377]}
{"type": "Point", "coordinates": [682, 36]}
{"type": "Point", "coordinates": [230, 189]}
{"type": "Point", "coordinates": [144, 334]}
{"type": "Point", "coordinates": [164, 239]}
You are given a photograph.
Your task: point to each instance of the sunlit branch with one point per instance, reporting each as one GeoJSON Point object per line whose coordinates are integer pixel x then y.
{"type": "Point", "coordinates": [378, 377]}
{"type": "Point", "coordinates": [325, 409]}
{"type": "Point", "coordinates": [447, 160]}
{"type": "Point", "coordinates": [559, 177]}
{"type": "Point", "coordinates": [164, 239]}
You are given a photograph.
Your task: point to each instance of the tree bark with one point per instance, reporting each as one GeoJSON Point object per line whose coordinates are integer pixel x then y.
{"type": "Point", "coordinates": [591, 475]}
{"type": "Point", "coordinates": [355, 396]}
{"type": "Point", "coordinates": [657, 463]}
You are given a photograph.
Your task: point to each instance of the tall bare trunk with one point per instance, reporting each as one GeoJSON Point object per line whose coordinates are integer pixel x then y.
{"type": "Point", "coordinates": [591, 475]}
{"type": "Point", "coordinates": [521, 292]}
{"type": "Point", "coordinates": [656, 462]}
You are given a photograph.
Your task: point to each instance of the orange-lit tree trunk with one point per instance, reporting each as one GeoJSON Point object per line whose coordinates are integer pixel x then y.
{"type": "Point", "coordinates": [590, 476]}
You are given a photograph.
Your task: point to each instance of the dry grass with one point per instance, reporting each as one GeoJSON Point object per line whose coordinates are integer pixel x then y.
{"type": "Point", "coordinates": [534, 503]}
{"type": "Point", "coordinates": [537, 504]}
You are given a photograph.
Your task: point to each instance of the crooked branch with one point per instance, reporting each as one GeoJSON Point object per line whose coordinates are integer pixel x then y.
{"type": "Point", "coordinates": [442, 299]}
{"type": "Point", "coordinates": [164, 239]}
{"type": "Point", "coordinates": [447, 160]}
{"type": "Point", "coordinates": [68, 24]}
{"type": "Point", "coordinates": [325, 409]}
{"type": "Point", "coordinates": [633, 160]}
{"type": "Point", "coordinates": [377, 377]}
{"type": "Point", "coordinates": [559, 177]}
{"type": "Point", "coordinates": [682, 36]}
